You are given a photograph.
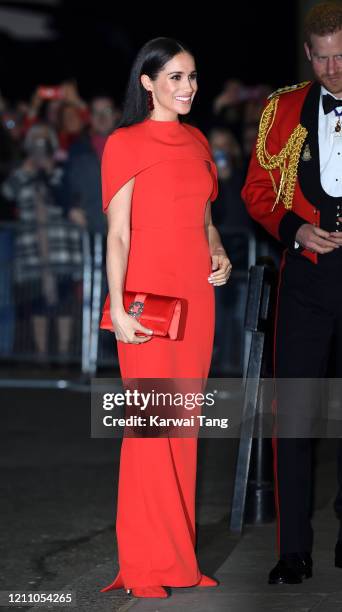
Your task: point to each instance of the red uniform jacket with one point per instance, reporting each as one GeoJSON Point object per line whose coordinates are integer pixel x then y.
{"type": "Point", "coordinates": [258, 192]}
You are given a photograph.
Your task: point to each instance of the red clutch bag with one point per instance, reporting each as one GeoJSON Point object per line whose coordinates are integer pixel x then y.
{"type": "Point", "coordinates": [158, 312]}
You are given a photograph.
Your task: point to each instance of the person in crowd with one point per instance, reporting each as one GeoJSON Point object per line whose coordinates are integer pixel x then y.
{"type": "Point", "coordinates": [45, 248]}
{"type": "Point", "coordinates": [62, 108]}
{"type": "Point", "coordinates": [235, 103]}
{"type": "Point", "coordinates": [7, 314]}
{"type": "Point", "coordinates": [235, 226]}
{"type": "Point", "coordinates": [83, 167]}
{"type": "Point", "coordinates": [228, 158]}
{"type": "Point", "coordinates": [248, 140]}
{"type": "Point", "coordinates": [11, 140]}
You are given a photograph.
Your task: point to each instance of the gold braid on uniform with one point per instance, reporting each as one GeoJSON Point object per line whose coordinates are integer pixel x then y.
{"type": "Point", "coordinates": [286, 160]}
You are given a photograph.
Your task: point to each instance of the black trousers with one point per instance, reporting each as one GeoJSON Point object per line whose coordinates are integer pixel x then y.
{"type": "Point", "coordinates": [308, 328]}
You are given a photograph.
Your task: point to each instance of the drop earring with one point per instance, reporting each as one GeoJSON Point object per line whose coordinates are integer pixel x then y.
{"type": "Point", "coordinates": [150, 101]}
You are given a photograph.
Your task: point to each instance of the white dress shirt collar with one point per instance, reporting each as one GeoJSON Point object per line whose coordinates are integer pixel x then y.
{"type": "Point", "coordinates": [324, 92]}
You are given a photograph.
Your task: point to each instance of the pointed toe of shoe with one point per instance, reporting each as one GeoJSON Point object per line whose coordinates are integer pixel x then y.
{"type": "Point", "coordinates": [206, 581]}
{"type": "Point", "coordinates": [150, 591]}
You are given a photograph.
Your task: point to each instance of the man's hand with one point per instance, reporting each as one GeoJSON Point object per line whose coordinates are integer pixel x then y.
{"type": "Point", "coordinates": [317, 240]}
{"type": "Point", "coordinates": [337, 236]}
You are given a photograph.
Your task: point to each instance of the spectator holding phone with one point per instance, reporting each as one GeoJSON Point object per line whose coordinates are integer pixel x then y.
{"type": "Point", "coordinates": [63, 108]}
{"type": "Point", "coordinates": [236, 103]}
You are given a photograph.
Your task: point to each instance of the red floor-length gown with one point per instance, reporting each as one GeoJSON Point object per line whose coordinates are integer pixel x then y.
{"type": "Point", "coordinates": [175, 176]}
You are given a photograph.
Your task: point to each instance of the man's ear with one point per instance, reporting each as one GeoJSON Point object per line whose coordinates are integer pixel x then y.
{"type": "Point", "coordinates": [307, 51]}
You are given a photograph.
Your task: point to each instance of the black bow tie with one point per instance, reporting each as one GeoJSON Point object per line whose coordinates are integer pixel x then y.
{"type": "Point", "coordinates": [329, 103]}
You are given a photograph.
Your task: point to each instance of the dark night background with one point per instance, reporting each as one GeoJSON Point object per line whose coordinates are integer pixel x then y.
{"type": "Point", "coordinates": [96, 42]}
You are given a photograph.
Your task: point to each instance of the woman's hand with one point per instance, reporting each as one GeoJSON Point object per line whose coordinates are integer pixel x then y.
{"type": "Point", "coordinates": [221, 263]}
{"type": "Point", "coordinates": [126, 326]}
{"type": "Point", "coordinates": [219, 259]}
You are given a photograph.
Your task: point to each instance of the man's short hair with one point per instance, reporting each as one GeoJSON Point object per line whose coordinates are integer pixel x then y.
{"type": "Point", "coordinates": [324, 18]}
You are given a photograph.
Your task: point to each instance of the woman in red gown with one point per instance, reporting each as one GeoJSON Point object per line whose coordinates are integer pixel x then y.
{"type": "Point", "coordinates": [158, 181]}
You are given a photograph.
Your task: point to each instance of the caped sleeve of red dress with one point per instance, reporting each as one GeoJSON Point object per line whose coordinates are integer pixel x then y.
{"type": "Point", "coordinates": [118, 164]}
{"type": "Point", "coordinates": [214, 173]}
{"type": "Point", "coordinates": [203, 139]}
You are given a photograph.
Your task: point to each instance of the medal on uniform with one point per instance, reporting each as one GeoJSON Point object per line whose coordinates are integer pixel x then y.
{"type": "Point", "coordinates": [338, 127]}
{"type": "Point", "coordinates": [306, 153]}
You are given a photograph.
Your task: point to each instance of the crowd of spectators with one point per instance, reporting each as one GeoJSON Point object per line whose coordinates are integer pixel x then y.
{"type": "Point", "coordinates": [50, 158]}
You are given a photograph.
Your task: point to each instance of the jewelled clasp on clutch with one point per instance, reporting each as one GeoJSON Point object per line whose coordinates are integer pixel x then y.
{"type": "Point", "coordinates": [135, 309]}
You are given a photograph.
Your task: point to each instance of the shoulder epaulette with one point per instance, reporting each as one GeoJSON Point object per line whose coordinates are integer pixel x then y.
{"type": "Point", "coordinates": [287, 89]}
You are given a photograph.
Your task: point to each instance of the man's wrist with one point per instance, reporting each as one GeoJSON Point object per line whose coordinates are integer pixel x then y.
{"type": "Point", "coordinates": [288, 228]}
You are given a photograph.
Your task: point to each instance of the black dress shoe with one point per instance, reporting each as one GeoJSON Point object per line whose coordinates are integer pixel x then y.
{"type": "Point", "coordinates": [338, 554]}
{"type": "Point", "coordinates": [291, 569]}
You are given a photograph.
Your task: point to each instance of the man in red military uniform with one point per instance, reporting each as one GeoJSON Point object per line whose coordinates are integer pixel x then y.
{"type": "Point", "coordinates": [294, 189]}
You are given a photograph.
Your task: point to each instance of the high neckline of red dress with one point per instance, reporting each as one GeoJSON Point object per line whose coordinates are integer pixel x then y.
{"type": "Point", "coordinates": [155, 121]}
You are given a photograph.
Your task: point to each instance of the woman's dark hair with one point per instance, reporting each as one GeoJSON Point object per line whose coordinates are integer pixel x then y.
{"type": "Point", "coordinates": [150, 60]}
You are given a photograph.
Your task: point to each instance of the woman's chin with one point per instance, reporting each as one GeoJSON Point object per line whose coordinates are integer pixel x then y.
{"type": "Point", "coordinates": [184, 110]}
